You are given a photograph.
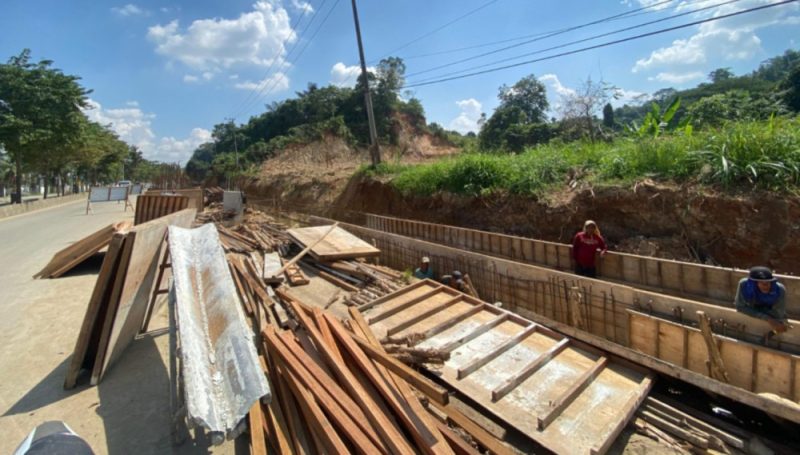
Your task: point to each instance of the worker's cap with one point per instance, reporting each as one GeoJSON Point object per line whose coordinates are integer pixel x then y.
{"type": "Point", "coordinates": [457, 275]}
{"type": "Point", "coordinates": [446, 278]}
{"type": "Point", "coordinates": [425, 259]}
{"type": "Point", "coordinates": [589, 223]}
{"type": "Point", "coordinates": [760, 273]}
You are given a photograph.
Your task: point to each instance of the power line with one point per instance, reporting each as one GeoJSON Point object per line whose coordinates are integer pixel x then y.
{"type": "Point", "coordinates": [438, 29]}
{"type": "Point", "coordinates": [245, 104]}
{"type": "Point", "coordinates": [663, 19]}
{"type": "Point", "coordinates": [274, 82]}
{"type": "Point", "coordinates": [606, 44]}
{"type": "Point", "coordinates": [626, 15]}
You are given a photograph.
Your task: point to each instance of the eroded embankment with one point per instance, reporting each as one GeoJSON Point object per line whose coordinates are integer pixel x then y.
{"type": "Point", "coordinates": [685, 223]}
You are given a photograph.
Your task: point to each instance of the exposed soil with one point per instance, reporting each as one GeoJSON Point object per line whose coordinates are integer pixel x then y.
{"type": "Point", "coordinates": [688, 223]}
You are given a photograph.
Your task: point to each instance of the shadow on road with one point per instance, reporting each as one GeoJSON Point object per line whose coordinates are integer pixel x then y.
{"type": "Point", "coordinates": [48, 391]}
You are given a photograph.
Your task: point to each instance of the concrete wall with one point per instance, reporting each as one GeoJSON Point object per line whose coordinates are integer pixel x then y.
{"type": "Point", "coordinates": [17, 209]}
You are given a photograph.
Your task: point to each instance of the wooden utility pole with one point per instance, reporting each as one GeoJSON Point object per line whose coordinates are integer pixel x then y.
{"type": "Point", "coordinates": [374, 148]}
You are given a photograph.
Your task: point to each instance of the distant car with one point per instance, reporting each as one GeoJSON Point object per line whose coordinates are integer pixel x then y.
{"type": "Point", "coordinates": [124, 183]}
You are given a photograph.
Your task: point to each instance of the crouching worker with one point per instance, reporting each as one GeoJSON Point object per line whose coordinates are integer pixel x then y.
{"type": "Point", "coordinates": [761, 296]}
{"type": "Point", "coordinates": [424, 270]}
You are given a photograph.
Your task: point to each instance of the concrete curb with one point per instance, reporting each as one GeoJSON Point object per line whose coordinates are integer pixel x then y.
{"type": "Point", "coordinates": [25, 207]}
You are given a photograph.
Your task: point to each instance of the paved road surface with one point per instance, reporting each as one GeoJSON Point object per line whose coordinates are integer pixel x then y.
{"type": "Point", "coordinates": [39, 323]}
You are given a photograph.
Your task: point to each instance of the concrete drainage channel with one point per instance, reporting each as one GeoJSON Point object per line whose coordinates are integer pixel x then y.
{"type": "Point", "coordinates": [18, 209]}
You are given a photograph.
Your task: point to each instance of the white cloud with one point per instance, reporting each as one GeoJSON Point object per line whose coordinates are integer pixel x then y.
{"type": "Point", "coordinates": [713, 43]}
{"type": "Point", "coordinates": [467, 120]}
{"type": "Point", "coordinates": [302, 6]}
{"type": "Point", "coordinates": [233, 77]}
{"type": "Point", "coordinates": [208, 75]}
{"type": "Point", "coordinates": [189, 79]}
{"type": "Point", "coordinates": [346, 76]}
{"type": "Point", "coordinates": [273, 84]}
{"type": "Point", "coordinates": [677, 78]}
{"type": "Point", "coordinates": [132, 103]}
{"type": "Point", "coordinates": [254, 38]}
{"type": "Point", "coordinates": [556, 85]}
{"type": "Point", "coordinates": [172, 150]}
{"type": "Point", "coordinates": [648, 3]}
{"type": "Point", "coordinates": [134, 126]}
{"type": "Point", "coordinates": [129, 10]}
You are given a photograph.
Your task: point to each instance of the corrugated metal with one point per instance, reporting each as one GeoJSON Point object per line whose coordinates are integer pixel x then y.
{"type": "Point", "coordinates": [221, 371]}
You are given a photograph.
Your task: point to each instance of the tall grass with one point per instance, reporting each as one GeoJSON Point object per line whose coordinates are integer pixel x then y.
{"type": "Point", "coordinates": [738, 155]}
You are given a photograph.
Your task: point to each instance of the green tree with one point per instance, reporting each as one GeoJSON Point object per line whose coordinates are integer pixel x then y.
{"type": "Point", "coordinates": [791, 88]}
{"type": "Point", "coordinates": [524, 103]}
{"type": "Point", "coordinates": [608, 116]}
{"type": "Point", "coordinates": [529, 96]}
{"type": "Point", "coordinates": [720, 75]}
{"type": "Point", "coordinates": [41, 109]}
{"type": "Point", "coordinates": [585, 102]}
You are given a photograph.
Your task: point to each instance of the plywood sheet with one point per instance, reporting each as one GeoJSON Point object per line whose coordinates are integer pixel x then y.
{"type": "Point", "coordinates": [613, 394]}
{"type": "Point", "coordinates": [144, 245]}
{"type": "Point", "coordinates": [339, 244]}
{"type": "Point", "coordinates": [66, 259]}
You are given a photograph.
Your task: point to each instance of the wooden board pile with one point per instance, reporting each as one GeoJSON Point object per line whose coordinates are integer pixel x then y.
{"type": "Point", "coordinates": [213, 194]}
{"type": "Point", "coordinates": [364, 281]}
{"type": "Point", "coordinates": [335, 390]}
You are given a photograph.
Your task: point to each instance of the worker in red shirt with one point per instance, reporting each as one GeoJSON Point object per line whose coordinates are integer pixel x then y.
{"type": "Point", "coordinates": [584, 247]}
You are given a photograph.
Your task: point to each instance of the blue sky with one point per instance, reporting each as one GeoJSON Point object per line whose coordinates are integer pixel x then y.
{"type": "Point", "coordinates": [163, 73]}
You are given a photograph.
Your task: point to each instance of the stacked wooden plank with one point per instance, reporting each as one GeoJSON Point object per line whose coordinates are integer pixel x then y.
{"type": "Point", "coordinates": [121, 296]}
{"type": "Point", "coordinates": [336, 391]}
{"type": "Point", "coordinates": [66, 259]}
{"type": "Point", "coordinates": [152, 206]}
{"type": "Point", "coordinates": [213, 194]}
{"type": "Point", "coordinates": [336, 244]}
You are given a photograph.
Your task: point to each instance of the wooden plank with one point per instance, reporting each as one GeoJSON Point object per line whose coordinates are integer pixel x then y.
{"type": "Point", "coordinates": [418, 381]}
{"type": "Point", "coordinates": [338, 244]}
{"type": "Point", "coordinates": [337, 282]}
{"type": "Point", "coordinates": [424, 315]}
{"type": "Point", "coordinates": [84, 354]}
{"type": "Point", "coordinates": [394, 440]}
{"type": "Point", "coordinates": [474, 333]}
{"type": "Point", "coordinates": [258, 443]}
{"type": "Point", "coordinates": [716, 365]}
{"type": "Point", "coordinates": [628, 409]}
{"type": "Point", "coordinates": [399, 292]}
{"type": "Point", "coordinates": [316, 418]}
{"type": "Point", "coordinates": [483, 437]}
{"type": "Point", "coordinates": [272, 264]}
{"type": "Point", "coordinates": [406, 304]}
{"type": "Point", "coordinates": [528, 370]}
{"type": "Point", "coordinates": [316, 379]}
{"type": "Point", "coordinates": [426, 437]}
{"type": "Point", "coordinates": [136, 282]}
{"type": "Point", "coordinates": [359, 432]}
{"type": "Point", "coordinates": [69, 257]}
{"type": "Point", "coordinates": [558, 406]}
{"type": "Point", "coordinates": [464, 371]}
{"type": "Point", "coordinates": [451, 322]}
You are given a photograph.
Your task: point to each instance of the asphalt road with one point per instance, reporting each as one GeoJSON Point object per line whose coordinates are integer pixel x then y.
{"type": "Point", "coordinates": [128, 412]}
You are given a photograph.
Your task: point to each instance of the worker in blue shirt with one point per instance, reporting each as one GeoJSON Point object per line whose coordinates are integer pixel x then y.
{"type": "Point", "coordinates": [759, 295]}
{"type": "Point", "coordinates": [424, 270]}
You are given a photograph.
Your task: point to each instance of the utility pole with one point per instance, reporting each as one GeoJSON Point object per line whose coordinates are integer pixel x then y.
{"type": "Point", "coordinates": [374, 148]}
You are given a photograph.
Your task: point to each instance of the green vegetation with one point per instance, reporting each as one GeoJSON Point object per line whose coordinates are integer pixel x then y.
{"type": "Point", "coordinates": [741, 155]}
{"type": "Point", "coordinates": [44, 132]}
{"type": "Point", "coordinates": [315, 113]}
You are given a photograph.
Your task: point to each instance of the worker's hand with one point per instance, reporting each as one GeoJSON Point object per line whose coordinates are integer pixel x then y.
{"type": "Point", "coordinates": [777, 326]}
{"type": "Point", "coordinates": [602, 253]}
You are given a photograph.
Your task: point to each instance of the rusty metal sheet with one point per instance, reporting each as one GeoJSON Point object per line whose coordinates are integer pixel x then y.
{"type": "Point", "coordinates": [221, 371]}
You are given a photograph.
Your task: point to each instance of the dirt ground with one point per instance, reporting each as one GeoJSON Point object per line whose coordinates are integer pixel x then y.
{"type": "Point", "coordinates": [128, 412]}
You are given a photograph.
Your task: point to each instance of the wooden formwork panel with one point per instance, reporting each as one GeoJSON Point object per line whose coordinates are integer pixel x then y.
{"type": "Point", "coordinates": [749, 366]}
{"type": "Point", "coordinates": [667, 276]}
{"type": "Point", "coordinates": [152, 206]}
{"type": "Point", "coordinates": [567, 398]}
